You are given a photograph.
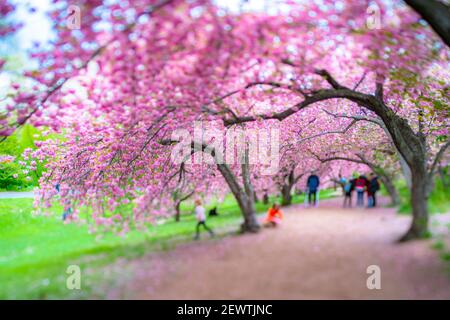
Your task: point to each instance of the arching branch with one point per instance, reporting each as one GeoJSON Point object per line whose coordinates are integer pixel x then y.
{"type": "Point", "coordinates": [338, 158]}
{"type": "Point", "coordinates": [321, 95]}
{"type": "Point", "coordinates": [438, 158]}
{"type": "Point", "coordinates": [344, 131]}
{"type": "Point", "coordinates": [374, 120]}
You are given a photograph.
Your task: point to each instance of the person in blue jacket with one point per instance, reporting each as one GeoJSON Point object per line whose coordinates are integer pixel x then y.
{"type": "Point", "coordinates": [313, 186]}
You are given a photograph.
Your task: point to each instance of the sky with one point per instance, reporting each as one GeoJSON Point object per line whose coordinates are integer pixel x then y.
{"type": "Point", "coordinates": [36, 26]}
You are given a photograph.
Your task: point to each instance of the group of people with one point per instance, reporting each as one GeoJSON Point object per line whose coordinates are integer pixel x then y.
{"type": "Point", "coordinates": [361, 184]}
{"type": "Point", "coordinates": [274, 216]}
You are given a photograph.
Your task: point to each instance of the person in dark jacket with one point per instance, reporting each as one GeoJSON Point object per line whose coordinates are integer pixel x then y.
{"type": "Point", "coordinates": [312, 184]}
{"type": "Point", "coordinates": [372, 188]}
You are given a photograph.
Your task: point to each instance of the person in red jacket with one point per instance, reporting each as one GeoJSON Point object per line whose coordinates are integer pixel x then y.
{"type": "Point", "coordinates": [360, 187]}
{"type": "Point", "coordinates": [274, 216]}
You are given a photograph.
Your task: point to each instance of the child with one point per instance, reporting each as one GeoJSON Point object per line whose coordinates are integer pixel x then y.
{"type": "Point", "coordinates": [274, 216]}
{"type": "Point", "coordinates": [201, 219]}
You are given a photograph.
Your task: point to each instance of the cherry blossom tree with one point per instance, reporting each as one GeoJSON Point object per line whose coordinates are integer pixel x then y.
{"type": "Point", "coordinates": [401, 92]}
{"type": "Point", "coordinates": [117, 83]}
{"type": "Point", "coordinates": [367, 146]}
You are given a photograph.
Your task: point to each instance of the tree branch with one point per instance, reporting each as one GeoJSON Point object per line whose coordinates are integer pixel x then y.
{"type": "Point", "coordinates": [379, 90]}
{"type": "Point", "coordinates": [356, 118]}
{"type": "Point", "coordinates": [360, 80]}
{"type": "Point", "coordinates": [327, 76]}
{"type": "Point", "coordinates": [338, 158]}
{"type": "Point", "coordinates": [345, 130]}
{"type": "Point", "coordinates": [437, 159]}
{"type": "Point", "coordinates": [321, 95]}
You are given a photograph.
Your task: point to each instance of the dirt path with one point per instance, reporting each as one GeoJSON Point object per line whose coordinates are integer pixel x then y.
{"type": "Point", "coordinates": [316, 253]}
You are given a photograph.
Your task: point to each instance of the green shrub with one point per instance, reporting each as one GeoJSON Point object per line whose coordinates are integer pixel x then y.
{"type": "Point", "coordinates": [14, 146]}
{"type": "Point", "coordinates": [12, 177]}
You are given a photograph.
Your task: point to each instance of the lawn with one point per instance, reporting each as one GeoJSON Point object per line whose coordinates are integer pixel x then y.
{"type": "Point", "coordinates": [35, 251]}
{"type": "Point", "coordinates": [438, 202]}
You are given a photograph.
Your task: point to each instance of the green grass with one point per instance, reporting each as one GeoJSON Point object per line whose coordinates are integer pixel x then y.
{"type": "Point", "coordinates": [438, 202]}
{"type": "Point", "coordinates": [35, 251]}
{"type": "Point", "coordinates": [443, 250]}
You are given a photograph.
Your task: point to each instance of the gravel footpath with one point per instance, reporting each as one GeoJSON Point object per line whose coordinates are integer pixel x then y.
{"type": "Point", "coordinates": [319, 253]}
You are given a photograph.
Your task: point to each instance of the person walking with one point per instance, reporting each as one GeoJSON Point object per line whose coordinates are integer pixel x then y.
{"type": "Point", "coordinates": [312, 185]}
{"type": "Point", "coordinates": [201, 219]}
{"type": "Point", "coordinates": [372, 189]}
{"type": "Point", "coordinates": [360, 186]}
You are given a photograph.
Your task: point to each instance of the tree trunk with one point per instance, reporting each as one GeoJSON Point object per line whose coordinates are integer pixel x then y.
{"type": "Point", "coordinates": [436, 14]}
{"type": "Point", "coordinates": [265, 198]}
{"type": "Point", "coordinates": [412, 147]}
{"type": "Point", "coordinates": [405, 170]}
{"type": "Point", "coordinates": [244, 197]}
{"type": "Point", "coordinates": [177, 212]}
{"type": "Point", "coordinates": [178, 205]}
{"type": "Point", "coordinates": [286, 196]}
{"type": "Point", "coordinates": [390, 188]}
{"type": "Point", "coordinates": [419, 204]}
{"type": "Point", "coordinates": [255, 197]}
{"type": "Point", "coordinates": [286, 189]}
{"type": "Point", "coordinates": [245, 203]}
{"type": "Point", "coordinates": [403, 163]}
{"type": "Point", "coordinates": [250, 222]}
